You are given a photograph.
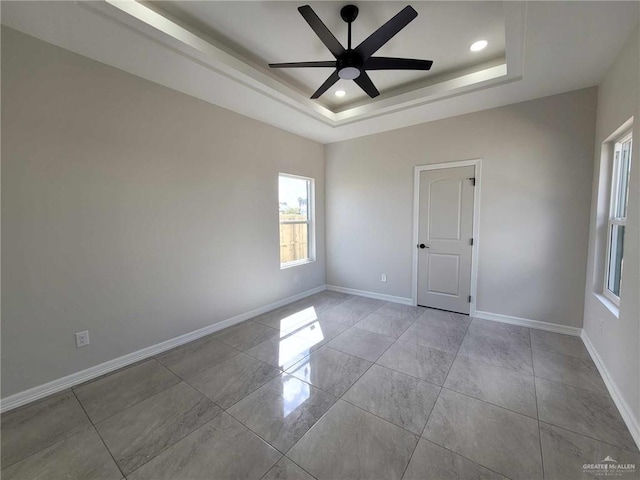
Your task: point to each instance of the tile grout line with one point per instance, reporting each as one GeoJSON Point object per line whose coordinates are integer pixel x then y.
{"type": "Point", "coordinates": [211, 366]}
{"type": "Point", "coordinates": [349, 403]}
{"type": "Point", "coordinates": [444, 380]}
{"type": "Point", "coordinates": [299, 466]}
{"type": "Point", "coordinates": [288, 305]}
{"type": "Point", "coordinates": [4, 467]}
{"type": "Point", "coordinates": [287, 458]}
{"type": "Point", "coordinates": [590, 438]}
{"type": "Point", "coordinates": [257, 435]}
{"type": "Point", "coordinates": [381, 418]}
{"type": "Point", "coordinates": [466, 332]}
{"type": "Point", "coordinates": [284, 370]}
{"type": "Point", "coordinates": [602, 396]}
{"type": "Point", "coordinates": [97, 379]}
{"type": "Point", "coordinates": [392, 370]}
{"type": "Point", "coordinates": [223, 410]}
{"type": "Point", "coordinates": [535, 391]}
{"type": "Point", "coordinates": [420, 437]}
{"type": "Point", "coordinates": [93, 425]}
{"type": "Point", "coordinates": [167, 448]}
{"type": "Point", "coordinates": [250, 393]}
{"type": "Point", "coordinates": [337, 398]}
{"type": "Point", "coordinates": [243, 324]}
{"type": "Point", "coordinates": [466, 458]}
{"type": "Point", "coordinates": [592, 392]}
{"type": "Point", "coordinates": [73, 389]}
{"type": "Point", "coordinates": [471, 396]}
{"type": "Point", "coordinates": [283, 454]}
{"type": "Point", "coordinates": [490, 403]}
{"type": "Point", "coordinates": [434, 406]}
{"type": "Point", "coordinates": [407, 374]}
{"type": "Point", "coordinates": [413, 452]}
{"type": "Point", "coordinates": [99, 436]}
{"type": "Point", "coordinates": [281, 371]}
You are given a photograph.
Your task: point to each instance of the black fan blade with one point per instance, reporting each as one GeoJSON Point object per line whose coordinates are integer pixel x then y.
{"type": "Point", "coordinates": [326, 85]}
{"type": "Point", "coordinates": [321, 30]}
{"type": "Point", "coordinates": [387, 63]}
{"type": "Point", "coordinates": [365, 83]}
{"type": "Point", "coordinates": [386, 32]}
{"type": "Point", "coordinates": [331, 64]}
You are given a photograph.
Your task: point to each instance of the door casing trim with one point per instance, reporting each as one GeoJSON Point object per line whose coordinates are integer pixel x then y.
{"type": "Point", "coordinates": [477, 164]}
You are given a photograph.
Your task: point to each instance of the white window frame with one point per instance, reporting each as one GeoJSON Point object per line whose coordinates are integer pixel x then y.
{"type": "Point", "coordinates": [613, 204]}
{"type": "Point", "coordinates": [311, 221]}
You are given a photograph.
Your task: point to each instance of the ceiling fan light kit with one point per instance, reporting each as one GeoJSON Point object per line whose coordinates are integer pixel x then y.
{"type": "Point", "coordinates": [353, 63]}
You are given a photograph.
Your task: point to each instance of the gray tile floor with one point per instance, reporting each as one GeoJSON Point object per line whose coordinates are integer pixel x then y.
{"type": "Point", "coordinates": [333, 386]}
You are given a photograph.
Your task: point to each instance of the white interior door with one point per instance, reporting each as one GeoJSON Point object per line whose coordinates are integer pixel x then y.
{"type": "Point", "coordinates": [445, 231]}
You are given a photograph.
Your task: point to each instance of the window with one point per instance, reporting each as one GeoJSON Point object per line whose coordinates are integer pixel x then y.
{"type": "Point", "coordinates": [296, 196]}
{"type": "Point", "coordinates": [617, 217]}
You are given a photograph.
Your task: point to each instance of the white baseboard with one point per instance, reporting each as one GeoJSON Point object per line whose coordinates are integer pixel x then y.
{"type": "Point", "coordinates": [55, 386]}
{"type": "Point", "coordinates": [525, 322]}
{"type": "Point", "coordinates": [623, 407]}
{"type": "Point", "coordinates": [377, 296]}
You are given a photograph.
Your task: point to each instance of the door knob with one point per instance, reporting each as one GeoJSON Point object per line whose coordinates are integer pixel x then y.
{"type": "Point", "coordinates": [422, 245]}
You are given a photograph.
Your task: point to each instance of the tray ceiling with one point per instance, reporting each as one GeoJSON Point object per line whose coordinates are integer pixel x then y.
{"type": "Point", "coordinates": [271, 32]}
{"type": "Point", "coordinates": [218, 52]}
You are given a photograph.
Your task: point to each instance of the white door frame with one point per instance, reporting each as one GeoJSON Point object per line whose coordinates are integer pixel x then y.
{"type": "Point", "coordinates": [477, 164]}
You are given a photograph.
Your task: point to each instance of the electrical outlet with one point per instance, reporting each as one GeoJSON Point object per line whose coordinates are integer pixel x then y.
{"type": "Point", "coordinates": [82, 339]}
{"type": "Point", "coordinates": [383, 277]}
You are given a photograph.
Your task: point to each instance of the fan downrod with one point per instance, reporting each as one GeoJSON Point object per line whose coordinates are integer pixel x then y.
{"type": "Point", "coordinates": [349, 13]}
{"type": "Point", "coordinates": [349, 64]}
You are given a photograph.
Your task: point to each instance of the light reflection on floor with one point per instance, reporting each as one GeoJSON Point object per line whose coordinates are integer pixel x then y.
{"type": "Point", "coordinates": [294, 394]}
{"type": "Point", "coordinates": [298, 333]}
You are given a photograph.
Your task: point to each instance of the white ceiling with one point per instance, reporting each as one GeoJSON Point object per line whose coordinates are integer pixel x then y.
{"type": "Point", "coordinates": [273, 32]}
{"type": "Point", "coordinates": [217, 51]}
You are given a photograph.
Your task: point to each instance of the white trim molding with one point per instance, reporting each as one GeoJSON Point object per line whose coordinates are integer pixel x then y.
{"type": "Point", "coordinates": [477, 164]}
{"type": "Point", "coordinates": [132, 36]}
{"type": "Point", "coordinates": [377, 296]}
{"type": "Point", "coordinates": [526, 322]}
{"type": "Point", "coordinates": [625, 411]}
{"type": "Point", "coordinates": [55, 386]}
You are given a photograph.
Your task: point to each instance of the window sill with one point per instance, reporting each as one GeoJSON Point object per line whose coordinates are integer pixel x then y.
{"type": "Point", "coordinates": [612, 307]}
{"type": "Point", "coordinates": [284, 266]}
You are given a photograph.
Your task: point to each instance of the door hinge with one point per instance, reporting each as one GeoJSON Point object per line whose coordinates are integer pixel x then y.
{"type": "Point", "coordinates": [469, 298]}
{"type": "Point", "coordinates": [471, 241]}
{"type": "Point", "coordinates": [473, 181]}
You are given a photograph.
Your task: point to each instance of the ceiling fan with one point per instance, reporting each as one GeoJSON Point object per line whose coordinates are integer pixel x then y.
{"type": "Point", "coordinates": [352, 64]}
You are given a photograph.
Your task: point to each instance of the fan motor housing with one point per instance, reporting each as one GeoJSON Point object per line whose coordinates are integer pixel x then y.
{"type": "Point", "coordinates": [349, 65]}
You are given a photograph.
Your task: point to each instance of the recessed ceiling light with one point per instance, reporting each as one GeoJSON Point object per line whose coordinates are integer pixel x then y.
{"type": "Point", "coordinates": [340, 93]}
{"type": "Point", "coordinates": [479, 45]}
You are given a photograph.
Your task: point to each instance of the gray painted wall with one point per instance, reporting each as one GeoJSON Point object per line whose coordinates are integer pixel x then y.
{"type": "Point", "coordinates": [618, 344]}
{"type": "Point", "coordinates": [131, 210]}
{"type": "Point", "coordinates": [534, 219]}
